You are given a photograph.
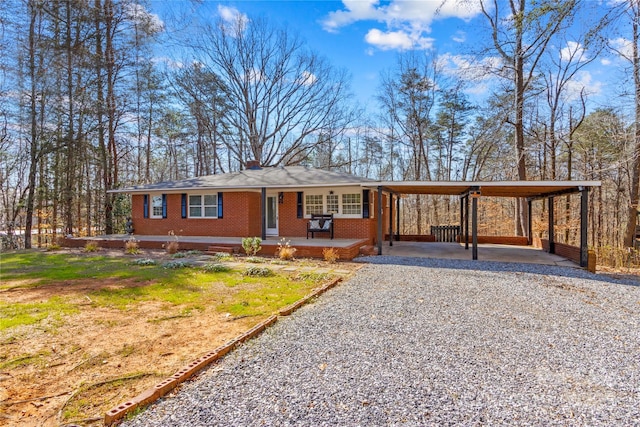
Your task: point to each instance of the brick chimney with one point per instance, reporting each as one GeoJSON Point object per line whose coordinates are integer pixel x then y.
{"type": "Point", "coordinates": [253, 164]}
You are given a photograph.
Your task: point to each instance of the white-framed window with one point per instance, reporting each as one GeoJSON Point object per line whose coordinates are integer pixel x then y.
{"type": "Point", "coordinates": [203, 206]}
{"type": "Point", "coordinates": [352, 204]}
{"type": "Point", "coordinates": [343, 203]}
{"type": "Point", "coordinates": [313, 204]}
{"type": "Point", "coordinates": [332, 204]}
{"type": "Point", "coordinates": [156, 207]}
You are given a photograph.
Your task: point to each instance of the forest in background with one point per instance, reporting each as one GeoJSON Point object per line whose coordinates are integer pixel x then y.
{"type": "Point", "coordinates": [86, 106]}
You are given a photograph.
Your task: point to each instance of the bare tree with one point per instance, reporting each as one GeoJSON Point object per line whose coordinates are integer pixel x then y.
{"type": "Point", "coordinates": [282, 94]}
{"type": "Point", "coordinates": [206, 98]}
{"type": "Point", "coordinates": [560, 74]}
{"type": "Point", "coordinates": [407, 97]}
{"type": "Point", "coordinates": [520, 35]}
{"type": "Point", "coordinates": [632, 12]}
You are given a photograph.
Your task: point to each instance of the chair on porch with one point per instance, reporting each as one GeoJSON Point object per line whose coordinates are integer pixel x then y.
{"type": "Point", "coordinates": [320, 223]}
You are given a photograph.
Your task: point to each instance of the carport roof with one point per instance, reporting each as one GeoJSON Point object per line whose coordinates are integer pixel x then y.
{"type": "Point", "coordinates": [528, 189]}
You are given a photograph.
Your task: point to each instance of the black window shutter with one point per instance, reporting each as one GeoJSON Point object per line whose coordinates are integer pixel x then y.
{"type": "Point", "coordinates": [164, 206]}
{"type": "Point", "coordinates": [145, 206]}
{"type": "Point", "coordinates": [299, 205]}
{"type": "Point", "coordinates": [184, 205]}
{"type": "Point", "coordinates": [220, 205]}
{"type": "Point", "coordinates": [365, 203]}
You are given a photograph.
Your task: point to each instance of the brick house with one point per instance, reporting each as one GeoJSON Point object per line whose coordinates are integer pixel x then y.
{"type": "Point", "coordinates": [278, 202]}
{"type": "Point", "coordinates": [266, 202]}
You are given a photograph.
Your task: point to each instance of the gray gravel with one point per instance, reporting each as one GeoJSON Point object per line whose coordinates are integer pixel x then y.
{"type": "Point", "coordinates": [418, 342]}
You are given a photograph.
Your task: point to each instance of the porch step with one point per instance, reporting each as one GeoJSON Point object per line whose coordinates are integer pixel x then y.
{"type": "Point", "coordinates": [212, 250]}
{"type": "Point", "coordinates": [368, 250]}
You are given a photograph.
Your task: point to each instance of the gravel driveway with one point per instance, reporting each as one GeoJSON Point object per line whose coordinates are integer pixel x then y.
{"type": "Point", "coordinates": [418, 342]}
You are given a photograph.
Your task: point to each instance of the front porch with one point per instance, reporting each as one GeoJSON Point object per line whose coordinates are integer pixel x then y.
{"type": "Point", "coordinates": [306, 248]}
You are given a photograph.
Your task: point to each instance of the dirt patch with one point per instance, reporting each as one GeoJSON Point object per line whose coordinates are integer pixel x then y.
{"type": "Point", "coordinates": [73, 370]}
{"type": "Point", "coordinates": [20, 293]}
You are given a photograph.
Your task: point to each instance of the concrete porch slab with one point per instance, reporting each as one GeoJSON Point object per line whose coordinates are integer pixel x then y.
{"type": "Point", "coordinates": [486, 252]}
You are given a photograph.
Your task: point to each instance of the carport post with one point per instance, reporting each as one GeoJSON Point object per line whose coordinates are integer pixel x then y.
{"type": "Point", "coordinates": [474, 226]}
{"type": "Point", "coordinates": [584, 218]}
{"type": "Point", "coordinates": [263, 213]}
{"type": "Point", "coordinates": [379, 220]}
{"type": "Point", "coordinates": [398, 218]}
{"type": "Point", "coordinates": [390, 219]}
{"type": "Point", "coordinates": [530, 225]}
{"type": "Point", "coordinates": [461, 217]}
{"type": "Point", "coordinates": [466, 222]}
{"type": "Point", "coordinates": [552, 231]}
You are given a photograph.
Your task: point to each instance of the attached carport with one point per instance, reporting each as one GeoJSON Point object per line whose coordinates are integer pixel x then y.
{"type": "Point", "coordinates": [470, 192]}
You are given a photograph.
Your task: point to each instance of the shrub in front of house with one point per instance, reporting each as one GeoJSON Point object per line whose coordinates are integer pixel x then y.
{"type": "Point", "coordinates": [251, 245]}
{"type": "Point", "coordinates": [175, 265]}
{"type": "Point", "coordinates": [216, 268]}
{"type": "Point", "coordinates": [285, 251]}
{"type": "Point", "coordinates": [91, 246]}
{"type": "Point", "coordinates": [258, 272]}
{"type": "Point", "coordinates": [330, 255]}
{"type": "Point", "coordinates": [131, 247]}
{"type": "Point", "coordinates": [144, 261]}
{"type": "Point", "coordinates": [222, 256]}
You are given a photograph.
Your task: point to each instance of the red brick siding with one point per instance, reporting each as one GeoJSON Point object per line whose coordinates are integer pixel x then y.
{"type": "Point", "coordinates": [242, 218]}
{"type": "Point", "coordinates": [569, 252]}
{"type": "Point", "coordinates": [289, 225]}
{"type": "Point", "coordinates": [540, 243]}
{"type": "Point", "coordinates": [343, 228]}
{"type": "Point", "coordinates": [564, 250]}
{"type": "Point", "coordinates": [235, 222]}
{"type": "Point", "coordinates": [499, 240]}
{"type": "Point", "coordinates": [413, 237]}
{"type": "Point", "coordinates": [269, 247]}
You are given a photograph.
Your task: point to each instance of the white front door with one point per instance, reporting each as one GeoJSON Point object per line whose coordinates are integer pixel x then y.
{"type": "Point", "coordinates": [272, 215]}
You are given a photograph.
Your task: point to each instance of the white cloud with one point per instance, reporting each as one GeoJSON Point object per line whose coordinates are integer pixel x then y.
{"type": "Point", "coordinates": [477, 90]}
{"type": "Point", "coordinates": [172, 64]}
{"type": "Point", "coordinates": [399, 40]}
{"type": "Point", "coordinates": [232, 17]}
{"type": "Point", "coordinates": [149, 21]}
{"type": "Point", "coordinates": [605, 61]}
{"type": "Point", "coordinates": [406, 21]}
{"type": "Point", "coordinates": [355, 10]}
{"type": "Point", "coordinates": [470, 68]}
{"type": "Point", "coordinates": [573, 51]}
{"type": "Point", "coordinates": [307, 79]}
{"type": "Point", "coordinates": [623, 47]}
{"type": "Point", "coordinates": [459, 37]}
{"type": "Point", "coordinates": [255, 75]}
{"type": "Point", "coordinates": [582, 81]}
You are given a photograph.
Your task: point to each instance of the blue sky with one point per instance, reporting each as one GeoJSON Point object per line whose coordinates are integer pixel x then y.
{"type": "Point", "coordinates": [365, 36]}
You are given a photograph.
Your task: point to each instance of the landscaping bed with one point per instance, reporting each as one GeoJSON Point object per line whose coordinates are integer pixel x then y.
{"type": "Point", "coordinates": [82, 332]}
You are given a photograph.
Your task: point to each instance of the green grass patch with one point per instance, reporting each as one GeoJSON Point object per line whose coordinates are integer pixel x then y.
{"type": "Point", "coordinates": [178, 287]}
{"type": "Point", "coordinates": [44, 267]}
{"type": "Point", "coordinates": [265, 295]}
{"type": "Point", "coordinates": [18, 314]}
{"type": "Point", "coordinates": [191, 288]}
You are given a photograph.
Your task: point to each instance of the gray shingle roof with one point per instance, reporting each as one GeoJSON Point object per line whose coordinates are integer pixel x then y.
{"type": "Point", "coordinates": [299, 177]}
{"type": "Point", "coordinates": [276, 177]}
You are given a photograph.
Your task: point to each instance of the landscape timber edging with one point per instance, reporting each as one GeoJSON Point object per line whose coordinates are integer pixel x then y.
{"type": "Point", "coordinates": [156, 392]}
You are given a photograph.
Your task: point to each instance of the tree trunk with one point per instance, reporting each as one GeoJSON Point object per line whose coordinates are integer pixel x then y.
{"type": "Point", "coordinates": [112, 162]}
{"type": "Point", "coordinates": [634, 195]}
{"type": "Point", "coordinates": [522, 211]}
{"type": "Point", "coordinates": [70, 174]}
{"type": "Point", "coordinates": [33, 117]}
